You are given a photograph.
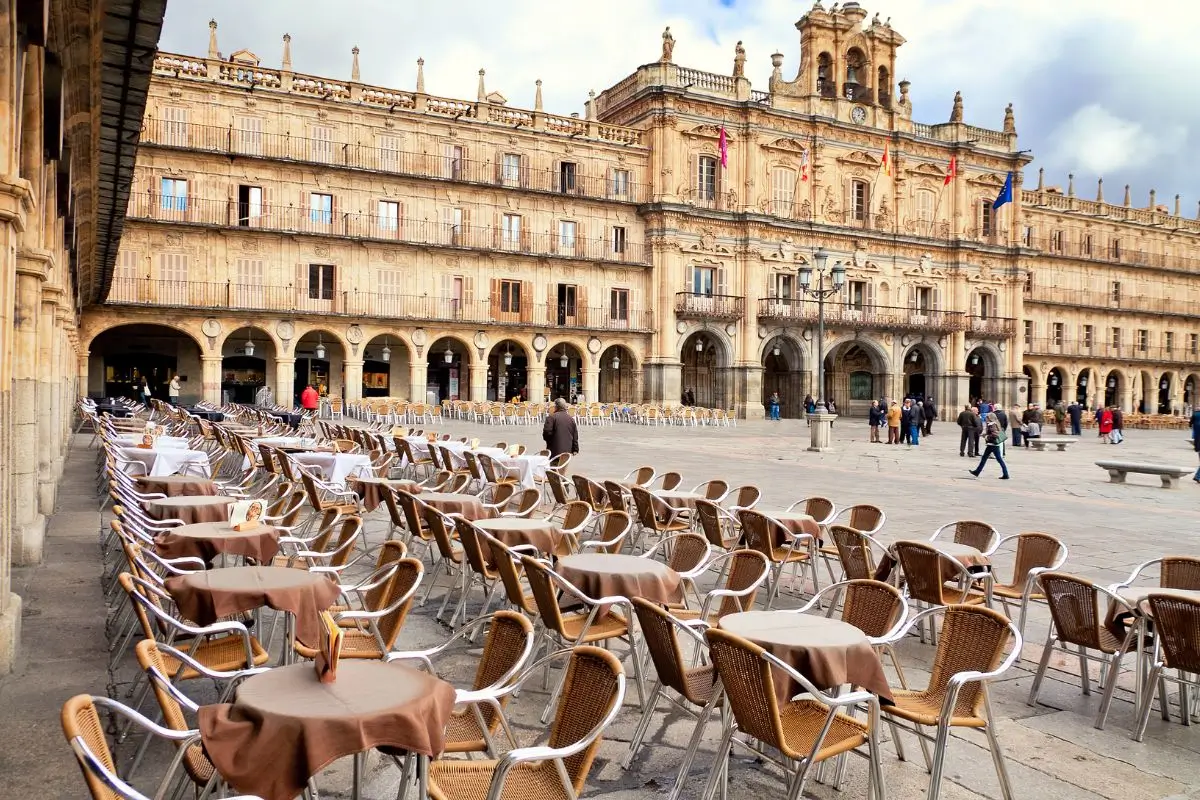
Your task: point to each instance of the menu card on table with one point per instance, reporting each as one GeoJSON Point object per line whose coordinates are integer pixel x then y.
{"type": "Point", "coordinates": [329, 648]}
{"type": "Point", "coordinates": [148, 441]}
{"type": "Point", "coordinates": [246, 515]}
{"type": "Point", "coordinates": [474, 444]}
{"type": "Point", "coordinates": [514, 450]}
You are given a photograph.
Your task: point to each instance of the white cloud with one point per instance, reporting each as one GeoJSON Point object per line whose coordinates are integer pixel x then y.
{"type": "Point", "coordinates": [1102, 142]}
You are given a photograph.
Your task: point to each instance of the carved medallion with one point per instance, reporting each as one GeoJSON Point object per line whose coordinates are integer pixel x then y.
{"type": "Point", "coordinates": [354, 334]}
{"type": "Point", "coordinates": [285, 330]}
{"type": "Point", "coordinates": [211, 327]}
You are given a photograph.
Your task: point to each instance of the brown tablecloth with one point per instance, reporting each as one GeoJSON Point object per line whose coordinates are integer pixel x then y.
{"type": "Point", "coordinates": [513, 531]}
{"type": "Point", "coordinates": [678, 499]}
{"type": "Point", "coordinates": [828, 652]}
{"type": "Point", "coordinates": [469, 506]}
{"type": "Point", "coordinates": [177, 485]}
{"type": "Point", "coordinates": [207, 540]}
{"type": "Point", "coordinates": [369, 489]}
{"type": "Point", "coordinates": [1117, 617]}
{"type": "Point", "coordinates": [608, 575]}
{"type": "Point", "coordinates": [190, 508]}
{"type": "Point", "coordinates": [285, 726]}
{"type": "Point", "coordinates": [964, 554]}
{"type": "Point", "coordinates": [796, 522]}
{"type": "Point", "coordinates": [207, 596]}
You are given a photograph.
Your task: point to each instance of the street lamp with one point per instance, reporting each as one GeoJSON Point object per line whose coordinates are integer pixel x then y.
{"type": "Point", "coordinates": [320, 351]}
{"type": "Point", "coordinates": [837, 275]}
{"type": "Point", "coordinates": [1083, 380]}
{"type": "Point", "coordinates": [386, 352]}
{"type": "Point", "coordinates": [448, 356]}
{"type": "Point", "coordinates": [1054, 380]}
{"type": "Point", "coordinates": [1165, 384]}
{"type": "Point", "coordinates": [1112, 383]}
{"type": "Point", "coordinates": [775, 350]}
{"type": "Point", "coordinates": [616, 362]}
{"type": "Point", "coordinates": [508, 356]}
{"type": "Point", "coordinates": [249, 350]}
{"type": "Point", "coordinates": [563, 360]}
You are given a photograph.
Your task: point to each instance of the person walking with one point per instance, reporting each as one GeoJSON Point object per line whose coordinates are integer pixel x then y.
{"type": "Point", "coordinates": [1075, 414]}
{"type": "Point", "coordinates": [810, 405]}
{"type": "Point", "coordinates": [560, 433]}
{"type": "Point", "coordinates": [144, 391]}
{"type": "Point", "coordinates": [993, 439]}
{"type": "Point", "coordinates": [773, 406]}
{"type": "Point", "coordinates": [1060, 418]}
{"type": "Point", "coordinates": [173, 390]}
{"type": "Point", "coordinates": [1118, 423]}
{"type": "Point", "coordinates": [1196, 439]}
{"type": "Point", "coordinates": [876, 418]}
{"type": "Point", "coordinates": [894, 415]}
{"type": "Point", "coordinates": [1105, 425]}
{"type": "Point", "coordinates": [966, 424]}
{"type": "Point", "coordinates": [930, 411]}
{"type": "Point", "coordinates": [309, 399]}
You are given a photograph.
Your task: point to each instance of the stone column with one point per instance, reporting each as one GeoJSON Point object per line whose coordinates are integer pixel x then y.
{"type": "Point", "coordinates": [748, 392]}
{"type": "Point", "coordinates": [285, 381]}
{"type": "Point", "coordinates": [591, 384]}
{"type": "Point", "coordinates": [535, 378]}
{"type": "Point", "coordinates": [81, 372]}
{"type": "Point", "coordinates": [29, 525]}
{"type": "Point", "coordinates": [352, 391]}
{"type": "Point", "coordinates": [1125, 397]}
{"type": "Point", "coordinates": [210, 377]}
{"type": "Point", "coordinates": [478, 382]}
{"type": "Point", "coordinates": [418, 378]}
{"type": "Point", "coordinates": [49, 402]}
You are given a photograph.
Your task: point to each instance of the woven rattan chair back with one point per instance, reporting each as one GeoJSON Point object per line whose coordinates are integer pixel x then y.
{"type": "Point", "coordinates": [80, 719]}
{"type": "Point", "coordinates": [923, 574]}
{"type": "Point", "coordinates": [854, 552]}
{"type": "Point", "coordinates": [389, 553]}
{"type": "Point", "coordinates": [688, 551]}
{"type": "Point", "coordinates": [1034, 551]}
{"type": "Point", "coordinates": [671, 480]}
{"type": "Point", "coordinates": [612, 526]}
{"type": "Point", "coordinates": [642, 475]}
{"type": "Point", "coordinates": [973, 638]}
{"type": "Point", "coordinates": [412, 515]}
{"type": "Point", "coordinates": [268, 459]}
{"type": "Point", "coordinates": [746, 677]}
{"type": "Point", "coordinates": [404, 582]}
{"type": "Point", "coordinates": [457, 483]}
{"type": "Point", "coordinates": [643, 501]}
{"type": "Point", "coordinates": [502, 649]}
{"type": "Point", "coordinates": [525, 501]}
{"type": "Point", "coordinates": [1075, 608]}
{"type": "Point", "coordinates": [1177, 622]}
{"type": "Point", "coordinates": [348, 528]}
{"type": "Point", "coordinates": [198, 767]}
{"type": "Point", "coordinates": [871, 606]}
{"type": "Point", "coordinates": [576, 514]}
{"type": "Point", "coordinates": [709, 515]}
{"type": "Point", "coordinates": [435, 457]}
{"type": "Point", "coordinates": [508, 565]}
{"type": "Point", "coordinates": [819, 508]}
{"type": "Point", "coordinates": [545, 594]}
{"type": "Point", "coordinates": [973, 533]}
{"type": "Point", "coordinates": [558, 487]}
{"type": "Point", "coordinates": [757, 533]}
{"type": "Point", "coordinates": [136, 598]}
{"type": "Point", "coordinates": [745, 568]}
{"type": "Point", "coordinates": [658, 630]}
{"type": "Point", "coordinates": [472, 545]}
{"type": "Point", "coordinates": [747, 496]}
{"type": "Point", "coordinates": [616, 496]}
{"type": "Point", "coordinates": [439, 529]}
{"type": "Point", "coordinates": [503, 492]}
{"type": "Point", "coordinates": [1180, 572]}
{"type": "Point", "coordinates": [865, 518]}
{"type": "Point", "coordinates": [714, 490]}
{"type": "Point", "coordinates": [588, 693]}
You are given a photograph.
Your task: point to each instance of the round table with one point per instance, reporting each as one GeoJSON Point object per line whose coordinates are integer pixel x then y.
{"type": "Point", "coordinates": [190, 508]}
{"type": "Point", "coordinates": [176, 485]}
{"type": "Point", "coordinates": [512, 531]}
{"type": "Point", "coordinates": [284, 725]}
{"type": "Point", "coordinates": [828, 652]}
{"type": "Point", "coordinates": [615, 575]}
{"type": "Point", "coordinates": [205, 597]}
{"type": "Point", "coordinates": [207, 540]}
{"type": "Point", "coordinates": [469, 506]}
{"type": "Point", "coordinates": [969, 557]}
{"type": "Point", "coordinates": [678, 499]}
{"type": "Point", "coordinates": [369, 489]}
{"type": "Point", "coordinates": [796, 522]}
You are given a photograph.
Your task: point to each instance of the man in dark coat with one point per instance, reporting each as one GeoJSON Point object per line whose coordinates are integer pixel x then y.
{"type": "Point", "coordinates": [930, 412]}
{"type": "Point", "coordinates": [1075, 413]}
{"type": "Point", "coordinates": [560, 432]}
{"type": "Point", "coordinates": [966, 424]}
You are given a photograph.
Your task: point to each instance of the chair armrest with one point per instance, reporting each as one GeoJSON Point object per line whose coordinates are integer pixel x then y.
{"type": "Point", "coordinates": [1133, 576]}
{"type": "Point", "coordinates": [848, 699]}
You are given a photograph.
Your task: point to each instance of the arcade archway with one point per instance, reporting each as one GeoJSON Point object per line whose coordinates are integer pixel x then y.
{"type": "Point", "coordinates": [705, 370]}
{"type": "Point", "coordinates": [448, 370]}
{"type": "Point", "coordinates": [508, 365]}
{"type": "Point", "coordinates": [122, 356]}
{"type": "Point", "coordinates": [617, 370]}
{"type": "Point", "coordinates": [783, 373]}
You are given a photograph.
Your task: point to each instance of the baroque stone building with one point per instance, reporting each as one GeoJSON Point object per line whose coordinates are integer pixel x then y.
{"type": "Point", "coordinates": [286, 228]}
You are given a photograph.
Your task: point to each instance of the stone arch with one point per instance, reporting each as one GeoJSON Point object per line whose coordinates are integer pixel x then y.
{"type": "Point", "coordinates": [1087, 382]}
{"type": "Point", "coordinates": [156, 351]}
{"type": "Point", "coordinates": [715, 334]}
{"type": "Point", "coordinates": [468, 347]}
{"type": "Point", "coordinates": [618, 384]}
{"type": "Point", "coordinates": [1115, 385]}
{"type": "Point", "coordinates": [326, 374]}
{"type": "Point", "coordinates": [449, 380]}
{"type": "Point", "coordinates": [508, 363]}
{"type": "Point", "coordinates": [105, 325]}
{"type": "Point", "coordinates": [923, 369]}
{"type": "Point", "coordinates": [385, 374]}
{"type": "Point", "coordinates": [1164, 395]}
{"type": "Point", "coordinates": [857, 371]}
{"type": "Point", "coordinates": [244, 374]}
{"type": "Point", "coordinates": [706, 356]}
{"type": "Point", "coordinates": [785, 372]}
{"type": "Point", "coordinates": [1057, 379]}
{"type": "Point", "coordinates": [875, 347]}
{"type": "Point", "coordinates": [566, 381]}
{"type": "Point", "coordinates": [985, 367]}
{"type": "Point", "coordinates": [329, 335]}
{"type": "Point", "coordinates": [233, 327]}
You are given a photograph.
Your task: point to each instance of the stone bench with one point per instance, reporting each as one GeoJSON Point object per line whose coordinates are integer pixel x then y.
{"type": "Point", "coordinates": [1061, 442]}
{"type": "Point", "coordinates": [1117, 470]}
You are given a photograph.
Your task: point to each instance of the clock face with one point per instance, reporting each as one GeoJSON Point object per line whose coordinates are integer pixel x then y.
{"type": "Point", "coordinates": [858, 114]}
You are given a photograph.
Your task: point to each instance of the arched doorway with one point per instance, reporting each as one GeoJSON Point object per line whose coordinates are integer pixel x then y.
{"type": "Point", "coordinates": [1164, 393]}
{"type": "Point", "coordinates": [320, 363]}
{"type": "Point", "coordinates": [564, 372]}
{"type": "Point", "coordinates": [1081, 387]}
{"type": "Point", "coordinates": [982, 368]}
{"type": "Point", "coordinates": [919, 368]}
{"type": "Point", "coordinates": [1145, 393]}
{"type": "Point", "coordinates": [855, 374]}
{"type": "Point", "coordinates": [1112, 388]}
{"type": "Point", "coordinates": [386, 368]}
{"type": "Point", "coordinates": [122, 356]}
{"type": "Point", "coordinates": [449, 370]}
{"type": "Point", "coordinates": [1054, 387]}
{"type": "Point", "coordinates": [705, 370]}
{"type": "Point", "coordinates": [1189, 391]}
{"type": "Point", "coordinates": [247, 365]}
{"type": "Point", "coordinates": [616, 376]}
{"type": "Point", "coordinates": [1026, 390]}
{"type": "Point", "coordinates": [783, 372]}
{"type": "Point", "coordinates": [508, 366]}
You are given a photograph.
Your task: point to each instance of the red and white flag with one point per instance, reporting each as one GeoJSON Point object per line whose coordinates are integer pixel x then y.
{"type": "Point", "coordinates": [951, 173]}
{"type": "Point", "coordinates": [804, 166]}
{"type": "Point", "coordinates": [723, 147]}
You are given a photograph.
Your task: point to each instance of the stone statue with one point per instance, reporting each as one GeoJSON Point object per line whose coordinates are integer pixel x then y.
{"type": "Point", "coordinates": [1010, 121]}
{"type": "Point", "coordinates": [668, 45]}
{"type": "Point", "coordinates": [739, 61]}
{"type": "Point", "coordinates": [956, 115]}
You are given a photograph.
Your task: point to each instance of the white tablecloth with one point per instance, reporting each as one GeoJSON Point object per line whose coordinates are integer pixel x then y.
{"type": "Point", "coordinates": [134, 439]}
{"type": "Point", "coordinates": [420, 448]}
{"type": "Point", "coordinates": [526, 468]}
{"type": "Point", "coordinates": [336, 467]}
{"type": "Point", "coordinates": [286, 441]}
{"type": "Point", "coordinates": [169, 460]}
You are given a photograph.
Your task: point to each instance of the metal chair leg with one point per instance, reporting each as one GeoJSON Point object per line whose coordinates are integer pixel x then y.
{"type": "Point", "coordinates": [994, 745]}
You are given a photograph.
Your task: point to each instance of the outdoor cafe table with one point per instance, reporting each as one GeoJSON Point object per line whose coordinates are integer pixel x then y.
{"type": "Point", "coordinates": [168, 460]}
{"type": "Point", "coordinates": [543, 534]}
{"type": "Point", "coordinates": [336, 467]}
{"type": "Point", "coordinates": [284, 725]}
{"type": "Point", "coordinates": [207, 540]}
{"type": "Point", "coordinates": [199, 508]}
{"type": "Point", "coordinates": [796, 522]}
{"type": "Point", "coordinates": [115, 410]}
{"type": "Point", "coordinates": [828, 652]}
{"type": "Point", "coordinates": [176, 485]}
{"type": "Point", "coordinates": [528, 467]}
{"type": "Point", "coordinates": [369, 489]}
{"type": "Point", "coordinates": [206, 413]}
{"type": "Point", "coordinates": [468, 505]}
{"type": "Point", "coordinates": [678, 499]}
{"type": "Point", "coordinates": [616, 575]}
{"type": "Point", "coordinates": [134, 439]}
{"type": "Point", "coordinates": [970, 557]}
{"type": "Point", "coordinates": [205, 597]}
{"type": "Point", "coordinates": [289, 444]}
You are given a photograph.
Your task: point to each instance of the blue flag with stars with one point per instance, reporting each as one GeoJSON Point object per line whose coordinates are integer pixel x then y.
{"type": "Point", "coordinates": [1005, 195]}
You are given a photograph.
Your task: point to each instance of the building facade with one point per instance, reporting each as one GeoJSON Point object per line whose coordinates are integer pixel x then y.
{"type": "Point", "coordinates": [286, 229]}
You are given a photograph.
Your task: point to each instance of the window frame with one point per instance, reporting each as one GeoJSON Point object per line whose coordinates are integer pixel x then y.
{"type": "Point", "coordinates": [568, 237]}
{"type": "Point", "coordinates": [171, 198]}
{"type": "Point", "coordinates": [510, 296]}
{"type": "Point", "coordinates": [618, 305]}
{"type": "Point", "coordinates": [510, 231]}
{"type": "Point", "coordinates": [317, 214]}
{"type": "Point", "coordinates": [388, 222]}
{"type": "Point", "coordinates": [323, 289]}
{"type": "Point", "coordinates": [706, 178]}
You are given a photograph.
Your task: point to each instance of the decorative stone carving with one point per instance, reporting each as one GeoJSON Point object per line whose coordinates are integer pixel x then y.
{"type": "Point", "coordinates": [739, 61]}
{"type": "Point", "coordinates": [321, 250]}
{"type": "Point", "coordinates": [419, 337]}
{"type": "Point", "coordinates": [481, 340]}
{"type": "Point", "coordinates": [354, 334]}
{"type": "Point", "coordinates": [539, 343]}
{"type": "Point", "coordinates": [285, 330]}
{"type": "Point", "coordinates": [174, 240]}
{"type": "Point", "coordinates": [211, 327]}
{"type": "Point", "coordinates": [668, 46]}
{"type": "Point", "coordinates": [594, 345]}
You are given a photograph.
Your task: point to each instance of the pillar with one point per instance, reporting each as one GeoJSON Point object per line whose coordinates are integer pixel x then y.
{"type": "Point", "coordinates": [353, 370]}
{"type": "Point", "coordinates": [747, 392]}
{"type": "Point", "coordinates": [81, 373]}
{"type": "Point", "coordinates": [210, 377]}
{"type": "Point", "coordinates": [535, 378]}
{"type": "Point", "coordinates": [1125, 396]}
{"type": "Point", "coordinates": [29, 524]}
{"type": "Point", "coordinates": [285, 381]}
{"type": "Point", "coordinates": [48, 401]}
{"type": "Point", "coordinates": [591, 384]}
{"type": "Point", "coordinates": [478, 382]}
{"type": "Point", "coordinates": [418, 380]}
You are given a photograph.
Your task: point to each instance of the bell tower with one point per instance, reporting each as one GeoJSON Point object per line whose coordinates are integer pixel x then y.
{"type": "Point", "coordinates": [847, 69]}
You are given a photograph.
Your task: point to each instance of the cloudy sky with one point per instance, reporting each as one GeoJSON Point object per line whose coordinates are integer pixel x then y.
{"type": "Point", "coordinates": [1100, 87]}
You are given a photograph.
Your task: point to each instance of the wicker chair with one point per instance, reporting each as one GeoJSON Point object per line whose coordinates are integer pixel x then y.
{"type": "Point", "coordinates": [926, 571]}
{"type": "Point", "coordinates": [593, 691]}
{"type": "Point", "coordinates": [687, 553]}
{"type": "Point", "coordinates": [1175, 572]}
{"type": "Point", "coordinates": [819, 508]}
{"type": "Point", "coordinates": [980, 535]}
{"type": "Point", "coordinates": [611, 530]}
{"type": "Point", "coordinates": [615, 494]}
{"type": "Point", "coordinates": [372, 631]}
{"type": "Point", "coordinates": [742, 498]}
{"type": "Point", "coordinates": [718, 525]}
{"type": "Point", "coordinates": [560, 490]}
{"type": "Point", "coordinates": [804, 732]}
{"type": "Point", "coordinates": [865, 518]}
{"type": "Point", "coordinates": [589, 492]}
{"type": "Point", "coordinates": [713, 491]}
{"type": "Point", "coordinates": [1075, 612]}
{"type": "Point", "coordinates": [877, 609]}
{"type": "Point", "coordinates": [1036, 553]}
{"type": "Point", "coordinates": [745, 571]}
{"type": "Point", "coordinates": [642, 476]}
{"type": "Point", "coordinates": [322, 495]}
{"type": "Point", "coordinates": [854, 550]}
{"type": "Point", "coordinates": [1176, 647]}
{"type": "Point", "coordinates": [970, 654]}
{"type": "Point", "coordinates": [668, 481]}
{"type": "Point", "coordinates": [654, 516]}
{"type": "Point", "coordinates": [782, 548]}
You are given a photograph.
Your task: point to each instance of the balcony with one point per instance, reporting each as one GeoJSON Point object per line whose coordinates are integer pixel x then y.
{"type": "Point", "coordinates": [1099, 250]}
{"type": "Point", "coordinates": [290, 299]}
{"type": "Point", "coordinates": [866, 317]}
{"type": "Point", "coordinates": [1109, 351]}
{"type": "Point", "coordinates": [992, 327]}
{"type": "Point", "coordinates": [1109, 302]}
{"type": "Point", "coordinates": [283, 147]}
{"type": "Point", "coordinates": [709, 306]}
{"type": "Point", "coordinates": [318, 222]}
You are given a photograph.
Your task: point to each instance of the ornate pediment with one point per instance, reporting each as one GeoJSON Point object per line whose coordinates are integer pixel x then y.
{"type": "Point", "coordinates": [986, 274]}
{"type": "Point", "coordinates": [784, 256]}
{"type": "Point", "coordinates": [924, 170]}
{"type": "Point", "coordinates": [986, 179]}
{"type": "Point", "coordinates": [787, 145]}
{"type": "Point", "coordinates": [707, 244]}
{"type": "Point", "coordinates": [859, 158]}
{"type": "Point", "coordinates": [244, 57]}
{"type": "Point", "coordinates": [708, 132]}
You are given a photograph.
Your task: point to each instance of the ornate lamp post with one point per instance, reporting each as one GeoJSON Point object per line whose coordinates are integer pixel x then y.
{"type": "Point", "coordinates": [837, 276]}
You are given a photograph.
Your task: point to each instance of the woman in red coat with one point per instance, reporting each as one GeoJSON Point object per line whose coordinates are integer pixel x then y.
{"type": "Point", "coordinates": [1106, 424]}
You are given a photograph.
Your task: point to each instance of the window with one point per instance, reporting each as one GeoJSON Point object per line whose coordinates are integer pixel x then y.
{"type": "Point", "coordinates": [856, 297]}
{"type": "Point", "coordinates": [704, 281]}
{"type": "Point", "coordinates": [566, 177]}
{"type": "Point", "coordinates": [1028, 333]}
{"type": "Point", "coordinates": [986, 219]}
{"type": "Point", "coordinates": [860, 200]}
{"type": "Point", "coordinates": [1194, 343]}
{"type": "Point", "coordinates": [249, 136]}
{"type": "Point", "coordinates": [452, 220]}
{"type": "Point", "coordinates": [510, 297]}
{"type": "Point", "coordinates": [1027, 236]}
{"type": "Point", "coordinates": [320, 281]}
{"type": "Point", "coordinates": [1168, 341]}
{"type": "Point", "coordinates": [249, 290]}
{"type": "Point", "coordinates": [320, 208]}
{"type": "Point", "coordinates": [1089, 336]}
{"type": "Point", "coordinates": [172, 268]}
{"type": "Point", "coordinates": [388, 281]}
{"type": "Point", "coordinates": [783, 191]}
{"type": "Point", "coordinates": [987, 306]}
{"type": "Point", "coordinates": [175, 126]}
{"type": "Point", "coordinates": [618, 240]}
{"type": "Point", "coordinates": [1114, 249]}
{"type": "Point", "coordinates": [510, 232]}
{"type": "Point", "coordinates": [566, 237]}
{"type": "Point", "coordinates": [1115, 292]}
{"type": "Point", "coordinates": [389, 153]}
{"type": "Point", "coordinates": [925, 205]}
{"type": "Point", "coordinates": [459, 292]}
{"type": "Point", "coordinates": [1143, 340]}
{"type": "Point", "coordinates": [322, 143]}
{"type": "Point", "coordinates": [174, 194]}
{"type": "Point", "coordinates": [923, 299]}
{"type": "Point", "coordinates": [510, 169]}
{"type": "Point", "coordinates": [452, 162]}
{"type": "Point", "coordinates": [389, 215]}
{"type": "Point", "coordinates": [1086, 245]}
{"type": "Point", "coordinates": [1116, 338]}
{"type": "Point", "coordinates": [568, 295]}
{"type": "Point", "coordinates": [620, 183]}
{"type": "Point", "coordinates": [1056, 241]}
{"type": "Point", "coordinates": [250, 205]}
{"type": "Point", "coordinates": [1029, 282]}
{"type": "Point", "coordinates": [706, 178]}
{"type": "Point", "coordinates": [618, 305]}
{"type": "Point", "coordinates": [781, 286]}
{"type": "Point", "coordinates": [1058, 334]}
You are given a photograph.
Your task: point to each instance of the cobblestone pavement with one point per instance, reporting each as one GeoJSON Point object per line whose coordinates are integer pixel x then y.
{"type": "Point", "coordinates": [1052, 750]}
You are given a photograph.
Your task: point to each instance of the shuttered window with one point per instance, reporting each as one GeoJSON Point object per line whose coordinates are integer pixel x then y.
{"type": "Point", "coordinates": [322, 143]}
{"type": "Point", "coordinates": [175, 126]}
{"type": "Point", "coordinates": [248, 135]}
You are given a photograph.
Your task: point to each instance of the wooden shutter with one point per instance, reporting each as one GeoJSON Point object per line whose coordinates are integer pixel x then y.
{"type": "Point", "coordinates": [523, 239]}
{"type": "Point", "coordinates": [552, 304]}
{"type": "Point", "coordinates": [493, 298]}
{"type": "Point", "coordinates": [772, 285]}
{"type": "Point", "coordinates": [447, 286]}
{"type": "Point", "coordinates": [869, 295]}
{"type": "Point", "coordinates": [301, 284]}
{"type": "Point", "coordinates": [721, 287]}
{"type": "Point", "coordinates": [936, 300]}
{"type": "Point", "coordinates": [581, 306]}
{"type": "Point", "coordinates": [468, 295]}
{"type": "Point", "coordinates": [526, 301]}
{"type": "Point", "coordinates": [847, 202]}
